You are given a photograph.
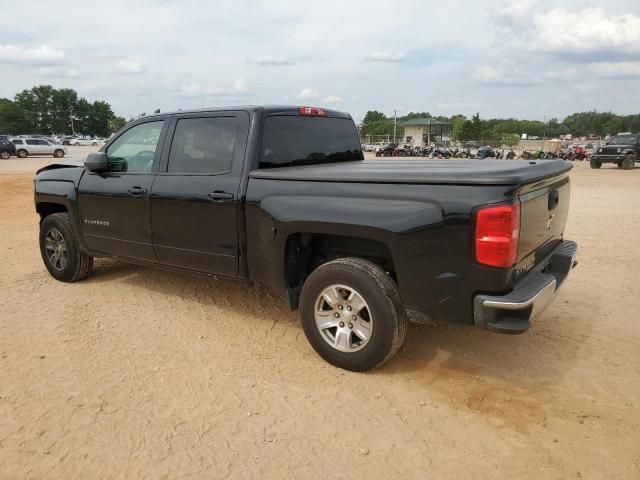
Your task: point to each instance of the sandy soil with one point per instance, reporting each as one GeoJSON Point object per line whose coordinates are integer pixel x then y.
{"type": "Point", "coordinates": [138, 373]}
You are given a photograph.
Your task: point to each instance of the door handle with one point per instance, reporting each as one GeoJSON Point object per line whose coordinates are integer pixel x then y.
{"type": "Point", "coordinates": [135, 191]}
{"type": "Point", "coordinates": [220, 196]}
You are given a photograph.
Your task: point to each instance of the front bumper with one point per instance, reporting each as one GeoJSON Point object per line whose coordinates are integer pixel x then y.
{"type": "Point", "coordinates": [513, 312]}
{"type": "Point", "coordinates": [608, 158]}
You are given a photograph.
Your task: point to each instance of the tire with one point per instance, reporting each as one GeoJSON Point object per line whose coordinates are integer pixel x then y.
{"type": "Point", "coordinates": [595, 163]}
{"type": "Point", "coordinates": [383, 313]}
{"type": "Point", "coordinates": [58, 153]}
{"type": "Point", "coordinates": [71, 264]}
{"type": "Point", "coordinates": [629, 161]}
{"type": "Point", "coordinates": [5, 155]}
{"type": "Point", "coordinates": [619, 163]}
{"type": "Point", "coordinates": [22, 153]}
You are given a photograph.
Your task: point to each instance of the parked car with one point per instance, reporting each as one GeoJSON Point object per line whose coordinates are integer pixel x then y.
{"type": "Point", "coordinates": [83, 142]}
{"type": "Point", "coordinates": [281, 197]}
{"type": "Point", "coordinates": [6, 148]}
{"type": "Point", "coordinates": [623, 150]}
{"type": "Point", "coordinates": [37, 146]}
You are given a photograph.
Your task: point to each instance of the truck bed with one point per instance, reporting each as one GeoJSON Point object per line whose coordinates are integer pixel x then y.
{"type": "Point", "coordinates": [460, 172]}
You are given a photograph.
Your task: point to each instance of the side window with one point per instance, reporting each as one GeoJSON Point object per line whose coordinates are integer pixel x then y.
{"type": "Point", "coordinates": [135, 149]}
{"type": "Point", "coordinates": [203, 145]}
{"type": "Point", "coordinates": [43, 142]}
{"type": "Point", "coordinates": [17, 141]}
{"type": "Point", "coordinates": [32, 142]}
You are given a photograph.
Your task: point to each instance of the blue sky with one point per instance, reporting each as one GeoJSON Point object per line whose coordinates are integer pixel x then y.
{"type": "Point", "coordinates": [508, 59]}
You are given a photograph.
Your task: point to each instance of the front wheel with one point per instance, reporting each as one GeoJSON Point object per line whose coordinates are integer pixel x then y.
{"type": "Point", "coordinates": [60, 250]}
{"type": "Point", "coordinates": [629, 161]}
{"type": "Point", "coordinates": [595, 163]}
{"type": "Point", "coordinates": [59, 153]}
{"type": "Point", "coordinates": [352, 314]}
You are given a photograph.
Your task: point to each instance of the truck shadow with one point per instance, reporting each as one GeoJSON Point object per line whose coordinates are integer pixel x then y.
{"type": "Point", "coordinates": [441, 357]}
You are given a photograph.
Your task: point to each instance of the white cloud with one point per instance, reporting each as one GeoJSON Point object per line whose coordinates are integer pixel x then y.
{"type": "Point", "coordinates": [615, 69]}
{"type": "Point", "coordinates": [384, 56]}
{"type": "Point", "coordinates": [43, 55]}
{"type": "Point", "coordinates": [129, 67]}
{"type": "Point", "coordinates": [58, 72]}
{"type": "Point", "coordinates": [504, 75]}
{"type": "Point", "coordinates": [272, 61]}
{"type": "Point", "coordinates": [590, 30]}
{"type": "Point", "coordinates": [308, 93]}
{"type": "Point", "coordinates": [332, 99]}
{"type": "Point", "coordinates": [238, 88]}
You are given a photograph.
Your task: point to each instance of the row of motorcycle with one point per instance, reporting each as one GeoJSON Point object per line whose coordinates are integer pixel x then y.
{"type": "Point", "coordinates": [395, 150]}
{"type": "Point", "coordinates": [432, 151]}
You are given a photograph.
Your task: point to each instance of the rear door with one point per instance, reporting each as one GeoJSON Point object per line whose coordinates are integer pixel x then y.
{"type": "Point", "coordinates": [194, 200]}
{"type": "Point", "coordinates": [34, 147]}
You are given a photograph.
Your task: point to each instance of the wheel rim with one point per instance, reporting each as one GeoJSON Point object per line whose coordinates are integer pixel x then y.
{"type": "Point", "coordinates": [56, 249]}
{"type": "Point", "coordinates": [343, 318]}
{"type": "Point", "coordinates": [58, 153]}
{"type": "Point", "coordinates": [4, 155]}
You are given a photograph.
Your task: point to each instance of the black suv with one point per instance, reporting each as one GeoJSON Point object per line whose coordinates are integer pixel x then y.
{"type": "Point", "coordinates": [623, 150]}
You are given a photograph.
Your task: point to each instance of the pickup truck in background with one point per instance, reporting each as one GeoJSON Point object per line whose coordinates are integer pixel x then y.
{"type": "Point", "coordinates": [281, 196]}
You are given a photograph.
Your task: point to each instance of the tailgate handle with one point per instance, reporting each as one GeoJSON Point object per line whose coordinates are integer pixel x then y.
{"type": "Point", "coordinates": [554, 199]}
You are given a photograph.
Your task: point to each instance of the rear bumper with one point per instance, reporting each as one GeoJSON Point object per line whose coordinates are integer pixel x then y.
{"type": "Point", "coordinates": [513, 312]}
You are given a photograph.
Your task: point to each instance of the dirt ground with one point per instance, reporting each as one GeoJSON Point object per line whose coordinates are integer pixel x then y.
{"type": "Point", "coordinates": [137, 373]}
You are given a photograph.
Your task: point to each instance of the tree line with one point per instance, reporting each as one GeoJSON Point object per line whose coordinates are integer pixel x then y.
{"type": "Point", "coordinates": [46, 110]}
{"type": "Point", "coordinates": [510, 129]}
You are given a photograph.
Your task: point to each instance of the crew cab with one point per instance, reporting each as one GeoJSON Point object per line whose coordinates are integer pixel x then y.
{"type": "Point", "coordinates": [623, 150]}
{"type": "Point", "coordinates": [282, 197]}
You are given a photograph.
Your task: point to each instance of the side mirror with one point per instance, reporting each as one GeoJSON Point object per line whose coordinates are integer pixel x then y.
{"type": "Point", "coordinates": [97, 162]}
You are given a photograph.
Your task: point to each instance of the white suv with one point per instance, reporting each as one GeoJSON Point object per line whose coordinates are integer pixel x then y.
{"type": "Point", "coordinates": [37, 146]}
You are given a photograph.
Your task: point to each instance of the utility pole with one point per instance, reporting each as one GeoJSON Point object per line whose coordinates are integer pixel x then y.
{"type": "Point", "coordinates": [395, 121]}
{"type": "Point", "coordinates": [544, 128]}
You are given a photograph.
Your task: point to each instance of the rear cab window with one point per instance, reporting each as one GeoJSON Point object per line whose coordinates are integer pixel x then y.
{"type": "Point", "coordinates": [290, 140]}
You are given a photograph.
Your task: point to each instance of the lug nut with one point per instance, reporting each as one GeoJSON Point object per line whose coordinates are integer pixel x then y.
{"type": "Point", "coordinates": [341, 324]}
{"type": "Point", "coordinates": [351, 325]}
{"type": "Point", "coordinates": [337, 315]}
{"type": "Point", "coordinates": [354, 318]}
{"type": "Point", "coordinates": [340, 307]}
{"type": "Point", "coordinates": [349, 308]}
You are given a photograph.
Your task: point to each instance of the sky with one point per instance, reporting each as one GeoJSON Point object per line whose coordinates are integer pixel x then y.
{"type": "Point", "coordinates": [517, 59]}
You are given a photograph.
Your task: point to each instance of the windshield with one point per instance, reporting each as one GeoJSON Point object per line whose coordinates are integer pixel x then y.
{"type": "Point", "coordinates": [624, 140]}
{"type": "Point", "coordinates": [295, 140]}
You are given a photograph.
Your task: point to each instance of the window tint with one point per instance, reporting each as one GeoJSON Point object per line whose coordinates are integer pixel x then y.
{"type": "Point", "coordinates": [295, 140]}
{"type": "Point", "coordinates": [17, 141]}
{"type": "Point", "coordinates": [43, 142]}
{"type": "Point", "coordinates": [135, 149]}
{"type": "Point", "coordinates": [33, 142]}
{"type": "Point", "coordinates": [203, 145]}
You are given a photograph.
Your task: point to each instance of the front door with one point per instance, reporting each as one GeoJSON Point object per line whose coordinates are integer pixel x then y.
{"type": "Point", "coordinates": [114, 205]}
{"type": "Point", "coordinates": [194, 199]}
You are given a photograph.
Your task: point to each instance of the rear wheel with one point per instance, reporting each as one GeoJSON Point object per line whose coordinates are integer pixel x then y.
{"type": "Point", "coordinates": [629, 161]}
{"type": "Point", "coordinates": [60, 250]}
{"type": "Point", "coordinates": [595, 163]}
{"type": "Point", "coordinates": [22, 153]}
{"type": "Point", "coordinates": [352, 314]}
{"type": "Point", "coordinates": [58, 153]}
{"type": "Point", "coordinates": [4, 155]}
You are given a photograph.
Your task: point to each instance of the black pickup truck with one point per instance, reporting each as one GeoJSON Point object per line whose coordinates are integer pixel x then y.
{"type": "Point", "coordinates": [281, 196]}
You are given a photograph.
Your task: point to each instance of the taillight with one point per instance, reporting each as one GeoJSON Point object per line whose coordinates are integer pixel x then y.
{"type": "Point", "coordinates": [312, 112]}
{"type": "Point", "coordinates": [497, 235]}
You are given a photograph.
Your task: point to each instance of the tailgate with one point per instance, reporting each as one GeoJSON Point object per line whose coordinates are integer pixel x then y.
{"type": "Point", "coordinates": [544, 206]}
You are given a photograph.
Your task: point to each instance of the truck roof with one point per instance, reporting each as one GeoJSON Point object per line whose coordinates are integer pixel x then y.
{"type": "Point", "coordinates": [461, 172]}
{"type": "Point", "coordinates": [266, 109]}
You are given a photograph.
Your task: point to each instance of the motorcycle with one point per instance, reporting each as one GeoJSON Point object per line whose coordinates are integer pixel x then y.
{"type": "Point", "coordinates": [386, 151]}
